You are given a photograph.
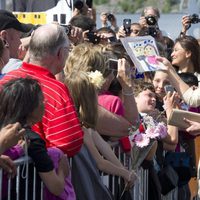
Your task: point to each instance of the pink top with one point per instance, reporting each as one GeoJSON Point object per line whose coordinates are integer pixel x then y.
{"type": "Point", "coordinates": [68, 192]}
{"type": "Point", "coordinates": [111, 103]}
{"type": "Point", "coordinates": [114, 104]}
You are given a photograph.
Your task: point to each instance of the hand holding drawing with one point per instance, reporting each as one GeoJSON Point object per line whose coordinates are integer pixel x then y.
{"type": "Point", "coordinates": [166, 64]}
{"type": "Point", "coordinates": [143, 52]}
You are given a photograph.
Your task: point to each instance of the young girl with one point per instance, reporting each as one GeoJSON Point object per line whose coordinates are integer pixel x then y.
{"type": "Point", "coordinates": [22, 101]}
{"type": "Point", "coordinates": [86, 179]}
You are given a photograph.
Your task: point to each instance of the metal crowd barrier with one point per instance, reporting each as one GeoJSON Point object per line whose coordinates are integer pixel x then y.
{"type": "Point", "coordinates": [25, 186]}
{"type": "Point", "coordinates": [29, 188]}
{"type": "Point", "coordinates": [140, 189]}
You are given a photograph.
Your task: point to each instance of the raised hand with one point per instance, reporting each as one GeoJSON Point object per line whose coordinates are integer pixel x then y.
{"type": "Point", "coordinates": [10, 135]}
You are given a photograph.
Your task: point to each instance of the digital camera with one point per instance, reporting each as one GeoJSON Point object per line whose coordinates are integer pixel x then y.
{"type": "Point", "coordinates": [67, 29]}
{"type": "Point", "coordinates": [93, 38]}
{"type": "Point", "coordinates": [110, 16]}
{"type": "Point", "coordinates": [151, 20]}
{"type": "Point", "coordinates": [153, 31]}
{"type": "Point", "coordinates": [194, 19]}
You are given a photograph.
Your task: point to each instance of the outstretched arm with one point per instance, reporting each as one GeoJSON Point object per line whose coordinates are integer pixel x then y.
{"type": "Point", "coordinates": [111, 166]}
{"type": "Point", "coordinates": [111, 124]}
{"type": "Point", "coordinates": [10, 135]}
{"type": "Point", "coordinates": [190, 95]}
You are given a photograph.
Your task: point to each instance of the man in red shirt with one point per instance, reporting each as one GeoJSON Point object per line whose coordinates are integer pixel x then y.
{"type": "Point", "coordinates": [48, 51]}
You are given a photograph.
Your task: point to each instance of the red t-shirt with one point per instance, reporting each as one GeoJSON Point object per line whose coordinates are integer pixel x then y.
{"type": "Point", "coordinates": [60, 126]}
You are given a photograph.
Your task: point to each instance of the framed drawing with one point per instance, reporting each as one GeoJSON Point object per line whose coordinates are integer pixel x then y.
{"type": "Point", "coordinates": [142, 51]}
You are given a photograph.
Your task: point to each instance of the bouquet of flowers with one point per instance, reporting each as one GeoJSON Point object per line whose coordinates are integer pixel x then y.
{"type": "Point", "coordinates": [148, 129]}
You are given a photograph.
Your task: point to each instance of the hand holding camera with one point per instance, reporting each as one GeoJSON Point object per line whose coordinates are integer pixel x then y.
{"type": "Point", "coordinates": [194, 18]}
{"type": "Point", "coordinates": [93, 37]}
{"type": "Point", "coordinates": [187, 20]}
{"type": "Point", "coordinates": [151, 20]}
{"type": "Point", "coordinates": [124, 75]}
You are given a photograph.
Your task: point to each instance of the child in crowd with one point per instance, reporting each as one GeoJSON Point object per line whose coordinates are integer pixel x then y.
{"type": "Point", "coordinates": [86, 179]}
{"type": "Point", "coordinates": [22, 101]}
{"type": "Point", "coordinates": [146, 102]}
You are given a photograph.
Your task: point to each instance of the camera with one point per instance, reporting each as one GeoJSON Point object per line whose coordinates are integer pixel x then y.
{"type": "Point", "coordinates": [194, 19]}
{"type": "Point", "coordinates": [153, 31]}
{"type": "Point", "coordinates": [67, 28]}
{"type": "Point", "coordinates": [110, 16]}
{"type": "Point", "coordinates": [127, 25]}
{"type": "Point", "coordinates": [113, 64]}
{"type": "Point", "coordinates": [93, 37]}
{"type": "Point", "coordinates": [151, 20]}
{"type": "Point", "coordinates": [78, 4]}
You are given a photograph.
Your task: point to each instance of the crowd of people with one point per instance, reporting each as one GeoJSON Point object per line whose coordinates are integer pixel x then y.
{"type": "Point", "coordinates": [69, 95]}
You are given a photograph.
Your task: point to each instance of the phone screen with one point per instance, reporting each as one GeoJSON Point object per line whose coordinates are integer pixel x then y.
{"type": "Point", "coordinates": [113, 64]}
{"type": "Point", "coordinates": [169, 88]}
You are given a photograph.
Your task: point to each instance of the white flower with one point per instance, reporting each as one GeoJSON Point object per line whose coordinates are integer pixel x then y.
{"type": "Point", "coordinates": [149, 121]}
{"type": "Point", "coordinates": [96, 78]}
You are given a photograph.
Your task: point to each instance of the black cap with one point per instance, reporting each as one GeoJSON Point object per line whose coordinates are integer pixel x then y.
{"type": "Point", "coordinates": [8, 20]}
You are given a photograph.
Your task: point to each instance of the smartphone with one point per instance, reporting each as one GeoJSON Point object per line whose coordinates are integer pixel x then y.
{"type": "Point", "coordinates": [113, 64]}
{"type": "Point", "coordinates": [127, 25]}
{"type": "Point", "coordinates": [169, 88]}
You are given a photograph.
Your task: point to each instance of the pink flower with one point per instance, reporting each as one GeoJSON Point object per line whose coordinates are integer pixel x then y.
{"type": "Point", "coordinates": [141, 140]}
{"type": "Point", "coordinates": [162, 129]}
{"type": "Point", "coordinates": [152, 133]}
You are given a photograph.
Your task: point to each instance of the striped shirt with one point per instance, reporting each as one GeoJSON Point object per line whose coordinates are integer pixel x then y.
{"type": "Point", "coordinates": [60, 126]}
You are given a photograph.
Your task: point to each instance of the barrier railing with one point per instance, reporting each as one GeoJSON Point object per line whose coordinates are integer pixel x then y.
{"type": "Point", "coordinates": [26, 185]}
{"type": "Point", "coordinates": [29, 187]}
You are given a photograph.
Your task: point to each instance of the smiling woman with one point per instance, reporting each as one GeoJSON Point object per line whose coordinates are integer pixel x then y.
{"type": "Point", "coordinates": [186, 54]}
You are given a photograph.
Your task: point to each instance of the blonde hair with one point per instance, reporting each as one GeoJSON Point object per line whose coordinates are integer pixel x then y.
{"type": "Point", "coordinates": [86, 57]}
{"type": "Point", "coordinates": [83, 92]}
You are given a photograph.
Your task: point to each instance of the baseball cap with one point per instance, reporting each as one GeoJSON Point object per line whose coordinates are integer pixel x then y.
{"type": "Point", "coordinates": [8, 20]}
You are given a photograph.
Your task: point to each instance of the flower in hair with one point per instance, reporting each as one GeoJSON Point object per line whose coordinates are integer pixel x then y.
{"type": "Point", "coordinates": [96, 78]}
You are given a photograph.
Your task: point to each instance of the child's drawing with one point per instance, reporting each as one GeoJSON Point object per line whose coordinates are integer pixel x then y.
{"type": "Point", "coordinates": [143, 52]}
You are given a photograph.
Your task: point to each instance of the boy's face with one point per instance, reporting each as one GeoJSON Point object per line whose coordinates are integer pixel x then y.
{"type": "Point", "coordinates": [146, 101]}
